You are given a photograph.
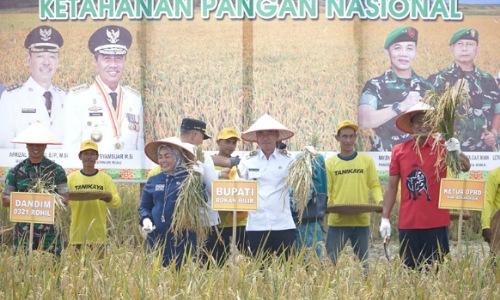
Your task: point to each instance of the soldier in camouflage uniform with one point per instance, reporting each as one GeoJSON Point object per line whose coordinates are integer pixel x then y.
{"type": "Point", "coordinates": [478, 129]}
{"type": "Point", "coordinates": [24, 176]}
{"type": "Point", "coordinates": [392, 93]}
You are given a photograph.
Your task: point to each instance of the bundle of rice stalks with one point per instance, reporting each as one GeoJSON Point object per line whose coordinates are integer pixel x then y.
{"type": "Point", "coordinates": [443, 117]}
{"type": "Point", "coordinates": [191, 209]}
{"type": "Point", "coordinates": [300, 180]}
{"type": "Point", "coordinates": [43, 183]}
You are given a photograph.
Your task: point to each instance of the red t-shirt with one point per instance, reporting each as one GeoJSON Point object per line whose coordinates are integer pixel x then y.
{"type": "Point", "coordinates": [419, 185]}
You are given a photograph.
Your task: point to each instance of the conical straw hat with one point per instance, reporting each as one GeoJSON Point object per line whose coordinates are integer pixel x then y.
{"type": "Point", "coordinates": [151, 149]}
{"type": "Point", "coordinates": [403, 121]}
{"type": "Point", "coordinates": [266, 122]}
{"type": "Point", "coordinates": [37, 133]}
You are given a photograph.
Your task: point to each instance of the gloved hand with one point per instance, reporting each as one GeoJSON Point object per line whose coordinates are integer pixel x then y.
{"type": "Point", "coordinates": [147, 225]}
{"type": "Point", "coordinates": [310, 149]}
{"type": "Point", "coordinates": [198, 168]}
{"type": "Point", "coordinates": [487, 235]}
{"type": "Point", "coordinates": [234, 161]}
{"type": "Point", "coordinates": [385, 228]}
{"type": "Point", "coordinates": [453, 145]}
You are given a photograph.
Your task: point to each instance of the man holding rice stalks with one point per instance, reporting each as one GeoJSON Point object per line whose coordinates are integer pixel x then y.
{"type": "Point", "coordinates": [480, 123]}
{"type": "Point", "coordinates": [36, 100]}
{"type": "Point", "coordinates": [394, 92]}
{"type": "Point", "coordinates": [271, 228]}
{"type": "Point", "coordinates": [37, 174]}
{"type": "Point", "coordinates": [419, 164]}
{"type": "Point", "coordinates": [88, 217]}
{"type": "Point", "coordinates": [350, 176]}
{"type": "Point", "coordinates": [194, 131]}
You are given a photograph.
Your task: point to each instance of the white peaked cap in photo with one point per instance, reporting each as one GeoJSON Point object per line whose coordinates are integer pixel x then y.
{"type": "Point", "coordinates": [403, 121]}
{"type": "Point", "coordinates": [266, 122]}
{"type": "Point", "coordinates": [37, 133]}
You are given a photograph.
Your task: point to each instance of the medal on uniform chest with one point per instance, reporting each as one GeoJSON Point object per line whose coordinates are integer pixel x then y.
{"type": "Point", "coordinates": [118, 145]}
{"type": "Point", "coordinates": [133, 121]}
{"type": "Point", "coordinates": [96, 136]}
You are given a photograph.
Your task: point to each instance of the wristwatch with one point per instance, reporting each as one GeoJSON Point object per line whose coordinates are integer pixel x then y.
{"type": "Point", "coordinates": [396, 107]}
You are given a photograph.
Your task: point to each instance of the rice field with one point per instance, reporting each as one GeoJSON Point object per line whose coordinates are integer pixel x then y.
{"type": "Point", "coordinates": [127, 271]}
{"type": "Point", "coordinates": [307, 74]}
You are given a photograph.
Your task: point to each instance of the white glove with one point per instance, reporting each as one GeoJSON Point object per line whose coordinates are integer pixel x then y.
{"type": "Point", "coordinates": [310, 149]}
{"type": "Point", "coordinates": [147, 225]}
{"type": "Point", "coordinates": [385, 228]}
{"type": "Point", "coordinates": [453, 145]}
{"type": "Point", "coordinates": [198, 168]}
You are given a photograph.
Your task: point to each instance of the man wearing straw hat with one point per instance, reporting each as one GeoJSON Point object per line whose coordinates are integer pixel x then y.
{"type": "Point", "coordinates": [351, 176]}
{"type": "Point", "coordinates": [105, 111]}
{"type": "Point", "coordinates": [479, 127]}
{"type": "Point", "coordinates": [419, 165]}
{"type": "Point", "coordinates": [88, 217]}
{"type": "Point", "coordinates": [37, 100]}
{"type": "Point", "coordinates": [271, 228]}
{"type": "Point", "coordinates": [394, 92]}
{"type": "Point", "coordinates": [27, 176]}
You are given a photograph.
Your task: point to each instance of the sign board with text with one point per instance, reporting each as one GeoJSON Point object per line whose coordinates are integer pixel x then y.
{"type": "Point", "coordinates": [462, 194]}
{"type": "Point", "coordinates": [32, 207]}
{"type": "Point", "coordinates": [234, 195]}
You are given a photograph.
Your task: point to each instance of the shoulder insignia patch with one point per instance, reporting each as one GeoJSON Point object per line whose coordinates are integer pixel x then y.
{"type": "Point", "coordinates": [135, 92]}
{"type": "Point", "coordinates": [79, 88]}
{"type": "Point", "coordinates": [13, 87]}
{"type": "Point", "coordinates": [284, 152]}
{"type": "Point", "coordinates": [253, 153]}
{"type": "Point", "coordinates": [60, 89]}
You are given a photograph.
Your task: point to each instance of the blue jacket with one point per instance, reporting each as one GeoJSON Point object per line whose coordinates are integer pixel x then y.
{"type": "Point", "coordinates": [158, 199]}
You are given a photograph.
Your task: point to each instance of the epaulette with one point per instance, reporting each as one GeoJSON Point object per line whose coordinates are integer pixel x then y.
{"type": "Point", "coordinates": [60, 89]}
{"type": "Point", "coordinates": [13, 87]}
{"type": "Point", "coordinates": [284, 152]}
{"type": "Point", "coordinates": [136, 92]}
{"type": "Point", "coordinates": [79, 88]}
{"type": "Point", "coordinates": [253, 153]}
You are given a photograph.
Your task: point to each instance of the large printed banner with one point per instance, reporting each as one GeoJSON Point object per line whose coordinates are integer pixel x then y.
{"type": "Point", "coordinates": [127, 72]}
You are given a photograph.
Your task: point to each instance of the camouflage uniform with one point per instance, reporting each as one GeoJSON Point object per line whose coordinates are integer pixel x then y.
{"type": "Point", "coordinates": [484, 104]}
{"type": "Point", "coordinates": [20, 179]}
{"type": "Point", "coordinates": [384, 91]}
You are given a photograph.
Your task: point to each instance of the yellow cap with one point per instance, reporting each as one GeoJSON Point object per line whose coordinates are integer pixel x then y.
{"type": "Point", "coordinates": [227, 133]}
{"type": "Point", "coordinates": [346, 123]}
{"type": "Point", "coordinates": [88, 145]}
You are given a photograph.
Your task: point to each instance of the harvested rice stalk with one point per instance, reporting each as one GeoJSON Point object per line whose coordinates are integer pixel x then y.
{"type": "Point", "coordinates": [299, 180]}
{"type": "Point", "coordinates": [191, 209]}
{"type": "Point", "coordinates": [443, 117]}
{"type": "Point", "coordinates": [42, 183]}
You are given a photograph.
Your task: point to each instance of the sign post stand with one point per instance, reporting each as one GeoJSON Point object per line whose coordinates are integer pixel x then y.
{"type": "Point", "coordinates": [32, 208]}
{"type": "Point", "coordinates": [461, 194]}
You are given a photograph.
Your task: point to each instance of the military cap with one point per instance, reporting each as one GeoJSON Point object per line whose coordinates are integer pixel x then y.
{"type": "Point", "coordinates": [465, 34]}
{"type": "Point", "coordinates": [110, 40]}
{"type": "Point", "coordinates": [193, 124]}
{"type": "Point", "coordinates": [44, 39]}
{"type": "Point", "coordinates": [401, 34]}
